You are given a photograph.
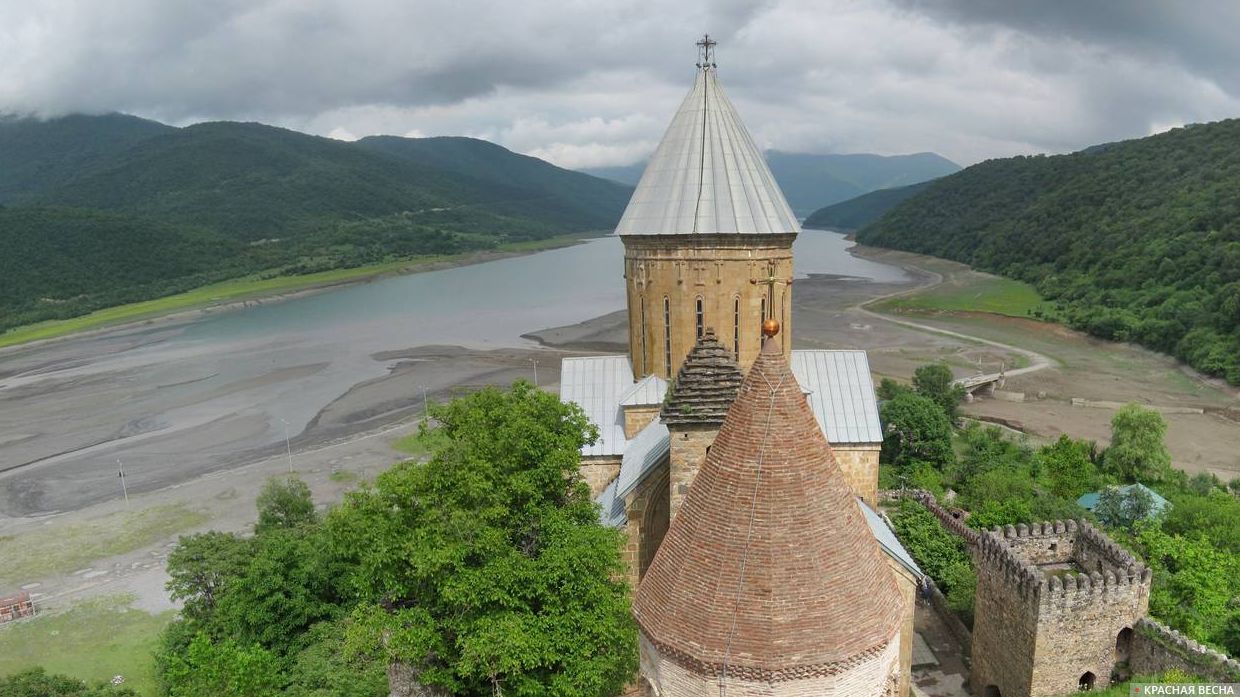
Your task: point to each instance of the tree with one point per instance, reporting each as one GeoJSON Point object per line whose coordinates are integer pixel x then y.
{"type": "Point", "coordinates": [1137, 452]}
{"type": "Point", "coordinates": [1067, 468]}
{"type": "Point", "coordinates": [1122, 509]}
{"type": "Point", "coordinates": [202, 566]}
{"type": "Point", "coordinates": [289, 585]}
{"type": "Point", "coordinates": [1194, 583]}
{"type": "Point", "coordinates": [222, 668]}
{"type": "Point", "coordinates": [35, 682]}
{"type": "Point", "coordinates": [890, 389]}
{"type": "Point", "coordinates": [916, 429]}
{"type": "Point", "coordinates": [284, 503]}
{"type": "Point", "coordinates": [935, 382]}
{"type": "Point", "coordinates": [485, 569]}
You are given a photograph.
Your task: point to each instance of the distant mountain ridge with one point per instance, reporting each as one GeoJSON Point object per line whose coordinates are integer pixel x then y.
{"type": "Point", "coordinates": [1134, 241]}
{"type": "Point", "coordinates": [226, 199]}
{"type": "Point", "coordinates": [810, 181]}
{"type": "Point", "coordinates": [856, 213]}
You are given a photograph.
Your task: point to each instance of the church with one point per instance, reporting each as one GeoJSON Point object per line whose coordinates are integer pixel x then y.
{"type": "Point", "coordinates": [743, 473]}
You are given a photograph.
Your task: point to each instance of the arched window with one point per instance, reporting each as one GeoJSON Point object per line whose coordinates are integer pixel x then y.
{"type": "Point", "coordinates": [700, 318]}
{"type": "Point", "coordinates": [736, 328]}
{"type": "Point", "coordinates": [642, 301]}
{"type": "Point", "coordinates": [667, 337]}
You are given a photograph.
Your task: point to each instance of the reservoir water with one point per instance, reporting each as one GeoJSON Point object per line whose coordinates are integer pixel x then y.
{"type": "Point", "coordinates": [176, 400]}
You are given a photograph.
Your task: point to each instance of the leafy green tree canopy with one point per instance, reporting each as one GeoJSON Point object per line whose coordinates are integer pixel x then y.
{"type": "Point", "coordinates": [1066, 465]}
{"type": "Point", "coordinates": [935, 382]}
{"type": "Point", "coordinates": [1137, 452]}
{"type": "Point", "coordinates": [915, 429]}
{"type": "Point", "coordinates": [485, 569]}
{"type": "Point", "coordinates": [202, 566]}
{"type": "Point", "coordinates": [284, 503]}
{"type": "Point", "coordinates": [1122, 509]}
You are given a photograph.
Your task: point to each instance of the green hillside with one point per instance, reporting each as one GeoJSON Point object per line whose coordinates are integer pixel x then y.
{"type": "Point", "coordinates": [856, 213]}
{"type": "Point", "coordinates": [1137, 241]}
{"type": "Point", "coordinates": [37, 154]}
{"type": "Point", "coordinates": [112, 209]}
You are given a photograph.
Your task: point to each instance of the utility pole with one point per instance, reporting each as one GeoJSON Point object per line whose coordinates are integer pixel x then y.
{"type": "Point", "coordinates": [288, 446]}
{"type": "Point", "coordinates": [426, 407]}
{"type": "Point", "coordinates": [124, 489]}
{"type": "Point", "coordinates": [535, 362]}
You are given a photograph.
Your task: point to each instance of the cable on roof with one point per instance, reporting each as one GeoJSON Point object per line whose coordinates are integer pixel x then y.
{"type": "Point", "coordinates": [753, 508]}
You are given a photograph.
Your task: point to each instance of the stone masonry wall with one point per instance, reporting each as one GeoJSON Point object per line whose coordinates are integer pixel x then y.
{"type": "Point", "coordinates": [637, 418]}
{"type": "Point", "coordinates": [647, 510]}
{"type": "Point", "coordinates": [1157, 648]}
{"type": "Point", "coordinates": [717, 268]}
{"type": "Point", "coordinates": [859, 463]}
{"type": "Point", "coordinates": [688, 451]}
{"type": "Point", "coordinates": [598, 472]}
{"type": "Point", "coordinates": [1037, 634]}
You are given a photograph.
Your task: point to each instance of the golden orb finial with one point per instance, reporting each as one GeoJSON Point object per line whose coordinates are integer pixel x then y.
{"type": "Point", "coordinates": [770, 327]}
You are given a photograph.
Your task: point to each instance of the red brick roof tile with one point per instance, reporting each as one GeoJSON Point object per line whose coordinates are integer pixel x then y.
{"type": "Point", "coordinates": [769, 565]}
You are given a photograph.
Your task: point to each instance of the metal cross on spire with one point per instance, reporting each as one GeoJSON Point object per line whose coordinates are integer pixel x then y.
{"type": "Point", "coordinates": [706, 51]}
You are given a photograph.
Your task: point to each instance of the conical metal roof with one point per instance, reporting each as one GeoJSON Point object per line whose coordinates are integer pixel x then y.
{"type": "Point", "coordinates": [769, 568]}
{"type": "Point", "coordinates": [707, 175]}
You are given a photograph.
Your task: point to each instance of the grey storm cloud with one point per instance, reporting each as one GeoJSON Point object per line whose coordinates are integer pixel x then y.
{"type": "Point", "coordinates": [592, 83]}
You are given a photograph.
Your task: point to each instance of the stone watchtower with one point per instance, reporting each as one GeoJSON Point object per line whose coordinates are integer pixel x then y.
{"type": "Point", "coordinates": [704, 389]}
{"type": "Point", "coordinates": [769, 581]}
{"type": "Point", "coordinates": [707, 238]}
{"type": "Point", "coordinates": [1055, 608]}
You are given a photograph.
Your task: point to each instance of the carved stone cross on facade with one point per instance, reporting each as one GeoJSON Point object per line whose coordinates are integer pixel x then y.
{"type": "Point", "coordinates": [770, 282]}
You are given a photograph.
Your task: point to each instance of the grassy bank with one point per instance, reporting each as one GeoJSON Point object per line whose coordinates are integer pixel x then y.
{"type": "Point", "coordinates": [970, 292]}
{"type": "Point", "coordinates": [254, 287]}
{"type": "Point", "coordinates": [93, 641]}
{"type": "Point", "coordinates": [64, 549]}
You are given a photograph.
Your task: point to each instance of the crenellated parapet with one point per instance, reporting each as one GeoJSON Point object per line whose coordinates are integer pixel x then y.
{"type": "Point", "coordinates": [1103, 568]}
{"type": "Point", "coordinates": [1158, 648]}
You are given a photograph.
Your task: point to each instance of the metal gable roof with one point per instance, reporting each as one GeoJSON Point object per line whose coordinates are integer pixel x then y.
{"type": "Point", "coordinates": [641, 456]}
{"type": "Point", "coordinates": [707, 176]}
{"type": "Point", "coordinates": [595, 383]}
{"type": "Point", "coordinates": [840, 393]}
{"type": "Point", "coordinates": [887, 539]}
{"type": "Point", "coordinates": [648, 391]}
{"type": "Point", "coordinates": [611, 507]}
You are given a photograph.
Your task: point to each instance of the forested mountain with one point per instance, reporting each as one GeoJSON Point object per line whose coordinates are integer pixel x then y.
{"type": "Point", "coordinates": [37, 154]}
{"type": "Point", "coordinates": [1137, 241]}
{"type": "Point", "coordinates": [856, 213]}
{"type": "Point", "coordinates": [110, 209]}
{"type": "Point", "coordinates": [812, 181]}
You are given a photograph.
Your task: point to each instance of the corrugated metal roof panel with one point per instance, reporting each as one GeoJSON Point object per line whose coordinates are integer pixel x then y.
{"type": "Point", "coordinates": [641, 456]}
{"type": "Point", "coordinates": [707, 176]}
{"type": "Point", "coordinates": [840, 393]}
{"type": "Point", "coordinates": [887, 539]}
{"type": "Point", "coordinates": [647, 391]}
{"type": "Point", "coordinates": [595, 383]}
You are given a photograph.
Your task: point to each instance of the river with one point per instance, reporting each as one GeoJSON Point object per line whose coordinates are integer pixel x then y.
{"type": "Point", "coordinates": [173, 401]}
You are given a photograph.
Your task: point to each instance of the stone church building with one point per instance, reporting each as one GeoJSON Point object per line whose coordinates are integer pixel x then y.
{"type": "Point", "coordinates": [743, 472]}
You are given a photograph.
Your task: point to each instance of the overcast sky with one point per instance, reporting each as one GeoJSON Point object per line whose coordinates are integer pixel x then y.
{"type": "Point", "coordinates": [588, 83]}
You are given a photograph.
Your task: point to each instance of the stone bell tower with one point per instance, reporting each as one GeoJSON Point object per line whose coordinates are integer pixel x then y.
{"type": "Point", "coordinates": [707, 238]}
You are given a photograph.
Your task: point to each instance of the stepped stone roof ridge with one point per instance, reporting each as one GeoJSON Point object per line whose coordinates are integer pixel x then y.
{"type": "Point", "coordinates": [706, 385]}
{"type": "Point", "coordinates": [707, 176]}
{"type": "Point", "coordinates": [769, 568]}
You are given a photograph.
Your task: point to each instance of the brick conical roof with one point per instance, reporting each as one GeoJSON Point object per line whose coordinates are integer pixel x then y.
{"type": "Point", "coordinates": [769, 569]}
{"type": "Point", "coordinates": [706, 385]}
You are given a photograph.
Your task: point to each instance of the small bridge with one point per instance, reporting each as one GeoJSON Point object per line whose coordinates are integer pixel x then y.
{"type": "Point", "coordinates": [986, 382]}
